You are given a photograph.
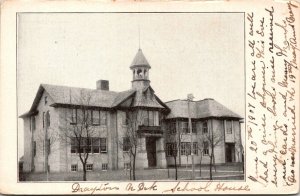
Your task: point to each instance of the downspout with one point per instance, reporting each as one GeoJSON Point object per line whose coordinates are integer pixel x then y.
{"type": "Point", "coordinates": [117, 140]}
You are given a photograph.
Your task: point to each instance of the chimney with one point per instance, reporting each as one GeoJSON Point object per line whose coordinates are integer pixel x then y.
{"type": "Point", "coordinates": [102, 85]}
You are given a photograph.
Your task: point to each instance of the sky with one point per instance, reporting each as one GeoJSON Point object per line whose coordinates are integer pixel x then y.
{"type": "Point", "coordinates": [198, 53]}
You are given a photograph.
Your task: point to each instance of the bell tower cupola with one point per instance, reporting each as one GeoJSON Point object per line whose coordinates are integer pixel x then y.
{"type": "Point", "coordinates": [140, 71]}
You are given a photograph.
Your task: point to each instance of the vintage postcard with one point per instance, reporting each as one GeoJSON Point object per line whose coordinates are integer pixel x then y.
{"type": "Point", "coordinates": [149, 97]}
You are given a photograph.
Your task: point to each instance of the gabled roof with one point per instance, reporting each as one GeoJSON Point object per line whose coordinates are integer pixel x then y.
{"type": "Point", "coordinates": [122, 96]}
{"type": "Point", "coordinates": [199, 109]}
{"type": "Point", "coordinates": [72, 96]}
{"type": "Point", "coordinates": [140, 60]}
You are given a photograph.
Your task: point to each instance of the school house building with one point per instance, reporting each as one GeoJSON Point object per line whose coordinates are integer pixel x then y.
{"type": "Point", "coordinates": [159, 127]}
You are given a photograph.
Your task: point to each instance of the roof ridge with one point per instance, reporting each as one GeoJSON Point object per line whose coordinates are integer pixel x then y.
{"type": "Point", "coordinates": [66, 86]}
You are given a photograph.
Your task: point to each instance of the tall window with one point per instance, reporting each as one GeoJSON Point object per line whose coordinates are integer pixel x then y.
{"type": "Point", "coordinates": [126, 144]}
{"type": "Point", "coordinates": [103, 117]}
{"type": "Point", "coordinates": [228, 126]}
{"type": "Point", "coordinates": [47, 118]}
{"type": "Point", "coordinates": [171, 149]}
{"type": "Point", "coordinates": [87, 145]}
{"type": "Point", "coordinates": [195, 148]}
{"type": "Point", "coordinates": [95, 117]}
{"type": "Point", "coordinates": [205, 148]}
{"type": "Point", "coordinates": [74, 116]}
{"type": "Point", "coordinates": [33, 125]}
{"type": "Point", "coordinates": [184, 127]}
{"type": "Point", "coordinates": [43, 119]}
{"type": "Point", "coordinates": [48, 146]}
{"type": "Point", "coordinates": [73, 145]}
{"type": "Point", "coordinates": [103, 145]}
{"type": "Point", "coordinates": [151, 118]}
{"type": "Point", "coordinates": [95, 145]}
{"type": "Point", "coordinates": [204, 127]}
{"type": "Point", "coordinates": [185, 148]}
{"type": "Point", "coordinates": [172, 127]}
{"type": "Point", "coordinates": [46, 100]}
{"type": "Point", "coordinates": [194, 127]}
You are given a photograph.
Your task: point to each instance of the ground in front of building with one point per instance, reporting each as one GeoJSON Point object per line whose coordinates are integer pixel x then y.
{"type": "Point", "coordinates": [223, 172]}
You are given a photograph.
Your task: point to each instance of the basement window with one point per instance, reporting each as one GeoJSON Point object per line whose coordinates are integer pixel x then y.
{"type": "Point", "coordinates": [74, 168]}
{"type": "Point", "coordinates": [89, 167]}
{"type": "Point", "coordinates": [104, 166]}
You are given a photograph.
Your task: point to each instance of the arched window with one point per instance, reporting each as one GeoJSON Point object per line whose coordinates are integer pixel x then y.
{"type": "Point", "coordinates": [139, 73]}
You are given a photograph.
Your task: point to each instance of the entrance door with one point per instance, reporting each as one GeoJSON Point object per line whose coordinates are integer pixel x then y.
{"type": "Point", "coordinates": [229, 152]}
{"type": "Point", "coordinates": [151, 151]}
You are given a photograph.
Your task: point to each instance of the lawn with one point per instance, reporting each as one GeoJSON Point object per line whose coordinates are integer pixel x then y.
{"type": "Point", "coordinates": [223, 173]}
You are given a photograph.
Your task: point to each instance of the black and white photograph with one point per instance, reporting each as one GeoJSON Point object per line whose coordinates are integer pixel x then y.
{"type": "Point", "coordinates": [127, 96]}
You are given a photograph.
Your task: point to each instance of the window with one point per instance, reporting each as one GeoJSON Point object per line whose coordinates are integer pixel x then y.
{"type": "Point", "coordinates": [228, 126]}
{"type": "Point", "coordinates": [95, 117]}
{"type": "Point", "coordinates": [87, 145]}
{"type": "Point", "coordinates": [74, 167]}
{"type": "Point", "coordinates": [48, 146]}
{"type": "Point", "coordinates": [34, 148]}
{"type": "Point", "coordinates": [148, 118]}
{"type": "Point", "coordinates": [74, 116]}
{"type": "Point", "coordinates": [89, 167]}
{"type": "Point", "coordinates": [43, 119]}
{"type": "Point", "coordinates": [126, 144]}
{"type": "Point", "coordinates": [74, 145]}
{"type": "Point", "coordinates": [45, 100]}
{"type": "Point", "coordinates": [204, 127]}
{"type": "Point", "coordinates": [104, 166]}
{"type": "Point", "coordinates": [127, 166]}
{"type": "Point", "coordinates": [80, 116]}
{"type": "Point", "coordinates": [33, 125]}
{"type": "Point", "coordinates": [205, 148]}
{"type": "Point", "coordinates": [194, 127]}
{"type": "Point", "coordinates": [125, 119]}
{"type": "Point", "coordinates": [151, 118]}
{"type": "Point", "coordinates": [103, 145]}
{"type": "Point", "coordinates": [145, 117]}
{"type": "Point", "coordinates": [185, 148]}
{"type": "Point", "coordinates": [184, 127]}
{"type": "Point", "coordinates": [171, 149]}
{"type": "Point", "coordinates": [47, 118]}
{"type": "Point", "coordinates": [88, 117]}
{"type": "Point", "coordinates": [95, 145]}
{"type": "Point", "coordinates": [172, 127]}
{"type": "Point", "coordinates": [195, 148]}
{"type": "Point", "coordinates": [103, 117]}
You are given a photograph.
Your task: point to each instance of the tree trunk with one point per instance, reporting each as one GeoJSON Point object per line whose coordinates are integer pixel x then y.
{"type": "Point", "coordinates": [84, 172]}
{"type": "Point", "coordinates": [210, 168]}
{"type": "Point", "coordinates": [175, 168]}
{"type": "Point", "coordinates": [200, 164]}
{"type": "Point", "coordinates": [214, 162]}
{"type": "Point", "coordinates": [133, 168]}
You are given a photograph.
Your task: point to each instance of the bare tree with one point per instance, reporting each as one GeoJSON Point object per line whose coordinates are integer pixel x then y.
{"type": "Point", "coordinates": [174, 147]}
{"type": "Point", "coordinates": [214, 139]}
{"type": "Point", "coordinates": [46, 141]}
{"type": "Point", "coordinates": [240, 154]}
{"type": "Point", "coordinates": [200, 149]}
{"type": "Point", "coordinates": [80, 130]}
{"type": "Point", "coordinates": [130, 141]}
